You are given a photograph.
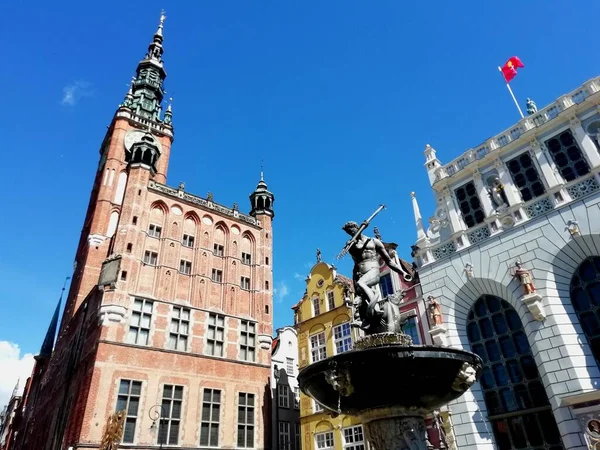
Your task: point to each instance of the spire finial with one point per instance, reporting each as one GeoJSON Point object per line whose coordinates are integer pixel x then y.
{"type": "Point", "coordinates": [418, 220]}
{"type": "Point", "coordinates": [48, 344]}
{"type": "Point", "coordinates": [161, 23]}
{"type": "Point", "coordinates": [262, 178]}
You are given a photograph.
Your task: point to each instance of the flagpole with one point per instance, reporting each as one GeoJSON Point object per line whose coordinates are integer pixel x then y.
{"type": "Point", "coordinates": [512, 95]}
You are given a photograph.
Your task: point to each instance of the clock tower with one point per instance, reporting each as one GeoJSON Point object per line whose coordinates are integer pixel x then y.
{"type": "Point", "coordinates": [135, 150]}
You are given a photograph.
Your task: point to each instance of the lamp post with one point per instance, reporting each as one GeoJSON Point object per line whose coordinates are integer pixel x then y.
{"type": "Point", "coordinates": [157, 412]}
{"type": "Point", "coordinates": [277, 375]}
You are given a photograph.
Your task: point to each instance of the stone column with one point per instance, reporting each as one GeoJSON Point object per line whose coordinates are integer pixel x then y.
{"type": "Point", "coordinates": [454, 216]}
{"type": "Point", "coordinates": [545, 166]}
{"type": "Point", "coordinates": [392, 428]}
{"type": "Point", "coordinates": [484, 197]}
{"type": "Point", "coordinates": [510, 190]}
{"type": "Point", "coordinates": [585, 142]}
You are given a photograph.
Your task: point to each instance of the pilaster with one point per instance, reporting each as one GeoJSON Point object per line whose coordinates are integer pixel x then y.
{"type": "Point", "coordinates": [456, 221]}
{"type": "Point", "coordinates": [512, 195]}
{"type": "Point", "coordinates": [484, 198]}
{"type": "Point", "coordinates": [551, 176]}
{"type": "Point", "coordinates": [585, 142]}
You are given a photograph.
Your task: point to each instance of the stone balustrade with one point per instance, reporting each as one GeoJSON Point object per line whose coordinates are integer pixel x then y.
{"type": "Point", "coordinates": [523, 126]}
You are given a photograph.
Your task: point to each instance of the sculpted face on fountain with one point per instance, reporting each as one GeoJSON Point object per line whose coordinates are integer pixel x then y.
{"type": "Point", "coordinates": [466, 377]}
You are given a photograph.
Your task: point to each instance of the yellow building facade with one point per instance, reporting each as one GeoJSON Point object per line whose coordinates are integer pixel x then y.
{"type": "Point", "coordinates": [322, 319]}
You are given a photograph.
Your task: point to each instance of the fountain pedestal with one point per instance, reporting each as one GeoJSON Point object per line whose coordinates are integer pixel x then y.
{"type": "Point", "coordinates": [391, 428]}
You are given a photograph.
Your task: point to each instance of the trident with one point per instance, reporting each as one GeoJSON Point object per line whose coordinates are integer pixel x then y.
{"type": "Point", "coordinates": [362, 228]}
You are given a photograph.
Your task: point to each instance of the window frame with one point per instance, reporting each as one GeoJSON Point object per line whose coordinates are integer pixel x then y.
{"type": "Point", "coordinates": [246, 258]}
{"type": "Point", "coordinates": [167, 423]}
{"type": "Point", "coordinates": [155, 230]}
{"type": "Point", "coordinates": [211, 423]}
{"type": "Point", "coordinates": [316, 306]}
{"type": "Point", "coordinates": [213, 324]}
{"type": "Point", "coordinates": [328, 438]}
{"type": "Point", "coordinates": [176, 319]}
{"type": "Point", "coordinates": [150, 258]}
{"type": "Point", "coordinates": [217, 275]}
{"type": "Point", "coordinates": [283, 396]}
{"type": "Point", "coordinates": [340, 339]}
{"type": "Point", "coordinates": [354, 431]}
{"type": "Point", "coordinates": [320, 350]}
{"type": "Point", "coordinates": [188, 240]}
{"type": "Point", "coordinates": [128, 396]}
{"type": "Point", "coordinates": [142, 313]}
{"type": "Point", "coordinates": [218, 250]}
{"type": "Point", "coordinates": [285, 434]}
{"type": "Point", "coordinates": [248, 331]}
{"type": "Point", "coordinates": [245, 283]}
{"type": "Point", "coordinates": [330, 300]}
{"type": "Point", "coordinates": [246, 425]}
{"type": "Point", "coordinates": [185, 267]}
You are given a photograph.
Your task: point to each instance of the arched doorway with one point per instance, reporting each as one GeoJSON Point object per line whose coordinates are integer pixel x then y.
{"type": "Point", "coordinates": [517, 405]}
{"type": "Point", "coordinates": [585, 296]}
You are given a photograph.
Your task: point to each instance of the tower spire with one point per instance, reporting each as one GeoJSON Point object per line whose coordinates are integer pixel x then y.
{"type": "Point", "coordinates": [146, 92]}
{"type": "Point", "coordinates": [418, 220]}
{"type": "Point", "coordinates": [261, 200]}
{"type": "Point", "coordinates": [48, 344]}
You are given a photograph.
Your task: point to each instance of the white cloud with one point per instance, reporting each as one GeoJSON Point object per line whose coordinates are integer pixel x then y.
{"type": "Point", "coordinates": [14, 367]}
{"type": "Point", "coordinates": [73, 92]}
{"type": "Point", "coordinates": [297, 276]}
{"type": "Point", "coordinates": [281, 291]}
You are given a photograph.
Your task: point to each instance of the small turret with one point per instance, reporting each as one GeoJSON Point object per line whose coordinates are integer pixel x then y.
{"type": "Point", "coordinates": [261, 200]}
{"type": "Point", "coordinates": [431, 163]}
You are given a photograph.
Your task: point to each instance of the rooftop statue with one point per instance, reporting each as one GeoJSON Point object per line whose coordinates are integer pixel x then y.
{"type": "Point", "coordinates": [372, 313]}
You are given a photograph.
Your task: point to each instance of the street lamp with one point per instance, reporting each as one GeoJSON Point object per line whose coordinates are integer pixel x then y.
{"type": "Point", "coordinates": [157, 412]}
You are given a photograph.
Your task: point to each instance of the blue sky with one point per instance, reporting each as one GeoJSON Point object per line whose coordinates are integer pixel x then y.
{"type": "Point", "coordinates": [338, 98]}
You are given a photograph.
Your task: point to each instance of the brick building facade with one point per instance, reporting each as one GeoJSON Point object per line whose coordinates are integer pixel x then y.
{"type": "Point", "coordinates": [169, 314]}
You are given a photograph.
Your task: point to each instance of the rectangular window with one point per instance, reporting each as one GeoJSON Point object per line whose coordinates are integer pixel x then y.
{"type": "Point", "coordinates": [245, 429]}
{"type": "Point", "coordinates": [245, 283]}
{"type": "Point", "coordinates": [342, 338]}
{"type": "Point", "coordinates": [469, 204]}
{"type": "Point", "coordinates": [150, 258]}
{"type": "Point", "coordinates": [316, 407]}
{"type": "Point", "coordinates": [411, 328]}
{"type": "Point", "coordinates": [168, 432]}
{"type": "Point", "coordinates": [567, 156]}
{"type": "Point", "coordinates": [526, 177]}
{"type": "Point", "coordinates": [128, 400]}
{"type": "Point", "coordinates": [248, 341]}
{"type": "Point", "coordinates": [354, 438]}
{"type": "Point", "coordinates": [188, 241]}
{"type": "Point", "coordinates": [289, 366]}
{"type": "Point", "coordinates": [139, 327]}
{"type": "Point", "coordinates": [297, 398]}
{"type": "Point", "coordinates": [284, 435]}
{"type": "Point", "coordinates": [154, 230]}
{"type": "Point", "coordinates": [180, 328]}
{"type": "Point", "coordinates": [211, 415]}
{"type": "Point", "coordinates": [316, 302]}
{"type": "Point", "coordinates": [217, 275]}
{"type": "Point", "coordinates": [386, 286]}
{"type": "Point", "coordinates": [317, 347]}
{"type": "Point", "coordinates": [324, 440]}
{"type": "Point", "coordinates": [218, 250]}
{"type": "Point", "coordinates": [185, 267]}
{"type": "Point", "coordinates": [283, 395]}
{"type": "Point", "coordinates": [267, 260]}
{"type": "Point", "coordinates": [246, 258]}
{"type": "Point", "coordinates": [330, 300]}
{"type": "Point", "coordinates": [297, 435]}
{"type": "Point", "coordinates": [216, 334]}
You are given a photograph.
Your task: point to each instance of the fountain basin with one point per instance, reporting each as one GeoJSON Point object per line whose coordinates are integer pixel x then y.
{"type": "Point", "coordinates": [411, 379]}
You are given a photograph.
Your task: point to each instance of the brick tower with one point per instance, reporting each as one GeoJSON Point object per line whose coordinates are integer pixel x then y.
{"type": "Point", "coordinates": [169, 315]}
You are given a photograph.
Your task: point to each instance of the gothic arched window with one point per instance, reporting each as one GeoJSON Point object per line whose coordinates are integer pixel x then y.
{"type": "Point", "coordinates": [517, 405]}
{"type": "Point", "coordinates": [585, 296]}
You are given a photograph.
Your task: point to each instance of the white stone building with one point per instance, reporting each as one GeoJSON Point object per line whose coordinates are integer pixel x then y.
{"type": "Point", "coordinates": [285, 390]}
{"type": "Point", "coordinates": [530, 194]}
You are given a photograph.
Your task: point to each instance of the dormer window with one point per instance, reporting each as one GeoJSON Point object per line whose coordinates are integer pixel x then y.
{"type": "Point", "coordinates": [469, 204]}
{"type": "Point", "coordinates": [567, 156]}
